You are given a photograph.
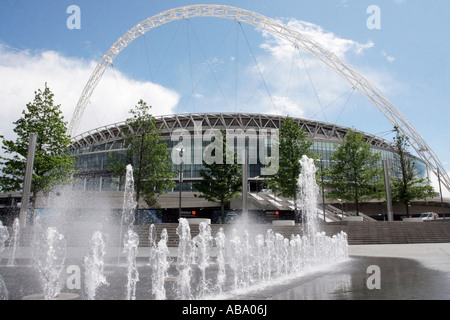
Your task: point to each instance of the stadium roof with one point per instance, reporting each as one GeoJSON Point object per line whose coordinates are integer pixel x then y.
{"type": "Point", "coordinates": [168, 123]}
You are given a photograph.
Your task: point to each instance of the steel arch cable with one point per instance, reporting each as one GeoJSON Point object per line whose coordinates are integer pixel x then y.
{"type": "Point", "coordinates": [277, 28]}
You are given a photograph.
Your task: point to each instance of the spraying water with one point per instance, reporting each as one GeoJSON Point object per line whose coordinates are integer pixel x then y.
{"type": "Point", "coordinates": [14, 243]}
{"type": "Point", "coordinates": [128, 207]}
{"type": "Point", "coordinates": [202, 247]}
{"type": "Point", "coordinates": [129, 203]}
{"type": "Point", "coordinates": [160, 265]}
{"type": "Point", "coordinates": [3, 290]}
{"type": "Point", "coordinates": [184, 260]}
{"type": "Point", "coordinates": [307, 197]}
{"type": "Point", "coordinates": [4, 235]}
{"type": "Point", "coordinates": [130, 249]}
{"type": "Point", "coordinates": [220, 244]}
{"type": "Point", "coordinates": [244, 260]}
{"type": "Point", "coordinates": [50, 261]}
{"type": "Point", "coordinates": [94, 266]}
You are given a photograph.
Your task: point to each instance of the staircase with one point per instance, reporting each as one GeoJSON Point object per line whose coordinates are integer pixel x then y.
{"type": "Point", "coordinates": [365, 232]}
{"type": "Point", "coordinates": [369, 232]}
{"type": "Point", "coordinates": [143, 231]}
{"type": "Point", "coordinates": [397, 232]}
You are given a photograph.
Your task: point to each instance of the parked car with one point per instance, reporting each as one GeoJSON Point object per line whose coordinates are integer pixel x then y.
{"type": "Point", "coordinates": [429, 216]}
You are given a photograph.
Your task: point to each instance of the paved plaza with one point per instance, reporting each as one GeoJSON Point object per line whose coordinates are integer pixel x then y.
{"type": "Point", "coordinates": [405, 272]}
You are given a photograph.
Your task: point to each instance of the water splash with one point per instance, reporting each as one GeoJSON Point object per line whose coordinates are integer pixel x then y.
{"type": "Point", "coordinates": [128, 207]}
{"type": "Point", "coordinates": [3, 290]}
{"type": "Point", "coordinates": [14, 242]}
{"type": "Point", "coordinates": [50, 260]}
{"type": "Point", "coordinates": [307, 196]}
{"type": "Point", "coordinates": [202, 244]}
{"type": "Point", "coordinates": [244, 260]}
{"type": "Point", "coordinates": [94, 265]}
{"type": "Point", "coordinates": [184, 260]}
{"type": "Point", "coordinates": [130, 249]}
{"type": "Point", "coordinates": [160, 265]}
{"type": "Point", "coordinates": [4, 235]}
{"type": "Point", "coordinates": [152, 236]}
{"type": "Point", "coordinates": [221, 274]}
{"type": "Point", "coordinates": [129, 203]}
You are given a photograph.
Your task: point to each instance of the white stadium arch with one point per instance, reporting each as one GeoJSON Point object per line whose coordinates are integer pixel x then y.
{"type": "Point", "coordinates": [279, 29]}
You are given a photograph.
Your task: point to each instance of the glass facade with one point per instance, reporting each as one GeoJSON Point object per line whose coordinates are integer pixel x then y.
{"type": "Point", "coordinates": [91, 163]}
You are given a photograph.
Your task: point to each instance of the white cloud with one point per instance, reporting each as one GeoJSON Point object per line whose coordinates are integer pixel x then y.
{"type": "Point", "coordinates": [389, 58]}
{"type": "Point", "coordinates": [342, 4]}
{"type": "Point", "coordinates": [198, 95]}
{"type": "Point", "coordinates": [337, 45]}
{"type": "Point", "coordinates": [293, 78]}
{"type": "Point", "coordinates": [24, 72]}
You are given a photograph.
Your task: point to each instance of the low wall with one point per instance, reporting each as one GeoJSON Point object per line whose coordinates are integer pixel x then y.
{"type": "Point", "coordinates": [383, 232]}
{"type": "Point", "coordinates": [412, 220]}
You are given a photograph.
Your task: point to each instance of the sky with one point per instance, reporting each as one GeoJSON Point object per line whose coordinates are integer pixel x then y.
{"type": "Point", "coordinates": [219, 65]}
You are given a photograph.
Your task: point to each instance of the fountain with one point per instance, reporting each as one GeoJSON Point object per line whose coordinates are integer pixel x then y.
{"type": "Point", "coordinates": [160, 264]}
{"type": "Point", "coordinates": [207, 266]}
{"type": "Point", "coordinates": [14, 241]}
{"type": "Point", "coordinates": [50, 258]}
{"type": "Point", "coordinates": [184, 259]}
{"type": "Point", "coordinates": [130, 248]}
{"type": "Point", "coordinates": [307, 199]}
{"type": "Point", "coordinates": [4, 235]}
{"type": "Point", "coordinates": [94, 266]}
{"type": "Point", "coordinates": [202, 244]}
{"type": "Point", "coordinates": [221, 274]}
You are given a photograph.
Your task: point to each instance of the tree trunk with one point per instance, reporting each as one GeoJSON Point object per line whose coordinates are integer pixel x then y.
{"type": "Point", "coordinates": [357, 201]}
{"type": "Point", "coordinates": [297, 214]}
{"type": "Point", "coordinates": [222, 210]}
{"type": "Point", "coordinates": [138, 180]}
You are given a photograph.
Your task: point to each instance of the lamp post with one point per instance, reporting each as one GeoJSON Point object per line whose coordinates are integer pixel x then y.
{"type": "Point", "coordinates": [181, 182]}
{"type": "Point", "coordinates": [27, 180]}
{"type": "Point", "coordinates": [387, 184]}
{"type": "Point", "coordinates": [323, 188]}
{"type": "Point", "coordinates": [440, 193]}
{"type": "Point", "coordinates": [244, 186]}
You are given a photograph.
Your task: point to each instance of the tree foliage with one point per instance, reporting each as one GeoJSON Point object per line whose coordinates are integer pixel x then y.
{"type": "Point", "coordinates": [354, 173]}
{"type": "Point", "coordinates": [147, 152]}
{"type": "Point", "coordinates": [52, 163]}
{"type": "Point", "coordinates": [406, 186]}
{"type": "Point", "coordinates": [293, 144]}
{"type": "Point", "coordinates": [221, 181]}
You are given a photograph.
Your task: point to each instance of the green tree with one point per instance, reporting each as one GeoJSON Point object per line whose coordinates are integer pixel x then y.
{"type": "Point", "coordinates": [222, 181]}
{"type": "Point", "coordinates": [52, 163]}
{"type": "Point", "coordinates": [147, 152]}
{"type": "Point", "coordinates": [293, 144]}
{"type": "Point", "coordinates": [406, 186]}
{"type": "Point", "coordinates": [354, 173]}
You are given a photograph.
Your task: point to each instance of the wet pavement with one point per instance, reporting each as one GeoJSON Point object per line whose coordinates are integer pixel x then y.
{"type": "Point", "coordinates": [383, 272]}
{"type": "Point", "coordinates": [399, 279]}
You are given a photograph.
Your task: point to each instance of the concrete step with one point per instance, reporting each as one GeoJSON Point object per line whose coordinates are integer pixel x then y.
{"type": "Point", "coordinates": [357, 232]}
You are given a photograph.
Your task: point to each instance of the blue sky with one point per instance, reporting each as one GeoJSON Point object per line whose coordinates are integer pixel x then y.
{"type": "Point", "coordinates": [209, 64]}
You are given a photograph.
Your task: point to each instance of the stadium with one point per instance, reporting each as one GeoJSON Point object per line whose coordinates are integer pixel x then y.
{"type": "Point", "coordinates": [92, 150]}
{"type": "Point", "coordinates": [96, 190]}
